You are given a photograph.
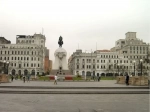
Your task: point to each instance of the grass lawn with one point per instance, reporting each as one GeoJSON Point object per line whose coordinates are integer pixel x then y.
{"type": "Point", "coordinates": [43, 78]}
{"type": "Point", "coordinates": [108, 78]}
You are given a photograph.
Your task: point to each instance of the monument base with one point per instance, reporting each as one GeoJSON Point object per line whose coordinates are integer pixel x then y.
{"type": "Point", "coordinates": [4, 78]}
{"type": "Point", "coordinates": [64, 72]}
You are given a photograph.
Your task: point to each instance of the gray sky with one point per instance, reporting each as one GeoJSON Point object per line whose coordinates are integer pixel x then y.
{"type": "Point", "coordinates": [83, 22]}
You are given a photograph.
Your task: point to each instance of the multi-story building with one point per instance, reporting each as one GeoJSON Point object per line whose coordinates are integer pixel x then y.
{"type": "Point", "coordinates": [26, 56]}
{"type": "Point", "coordinates": [128, 55]}
{"type": "Point", "coordinates": [4, 41]}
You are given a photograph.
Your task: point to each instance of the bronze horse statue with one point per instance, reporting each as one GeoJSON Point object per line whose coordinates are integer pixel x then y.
{"type": "Point", "coordinates": [60, 41]}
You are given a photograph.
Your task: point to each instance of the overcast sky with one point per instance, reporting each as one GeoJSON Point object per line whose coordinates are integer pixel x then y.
{"type": "Point", "coordinates": [83, 22]}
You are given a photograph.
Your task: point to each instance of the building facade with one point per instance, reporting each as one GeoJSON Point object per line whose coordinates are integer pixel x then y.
{"type": "Point", "coordinates": [129, 55]}
{"type": "Point", "coordinates": [4, 41]}
{"type": "Point", "coordinates": [27, 56]}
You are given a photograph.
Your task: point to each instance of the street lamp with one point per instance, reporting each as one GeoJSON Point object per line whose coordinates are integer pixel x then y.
{"type": "Point", "coordinates": [118, 68]}
{"type": "Point", "coordinates": [141, 60]}
{"type": "Point", "coordinates": [122, 65]}
{"type": "Point", "coordinates": [7, 63]}
{"type": "Point", "coordinates": [4, 66]}
{"type": "Point", "coordinates": [134, 66]}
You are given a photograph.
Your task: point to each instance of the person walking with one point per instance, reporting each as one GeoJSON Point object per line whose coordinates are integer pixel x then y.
{"type": "Point", "coordinates": [127, 79]}
{"type": "Point", "coordinates": [12, 78]}
{"type": "Point", "coordinates": [24, 78]}
{"type": "Point", "coordinates": [28, 78]}
{"type": "Point", "coordinates": [55, 81]}
{"type": "Point", "coordinates": [99, 77]}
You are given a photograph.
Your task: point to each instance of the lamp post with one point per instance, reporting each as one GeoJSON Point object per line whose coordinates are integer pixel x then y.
{"type": "Point", "coordinates": [122, 68]}
{"type": "Point", "coordinates": [7, 63]}
{"type": "Point", "coordinates": [118, 68]}
{"type": "Point", "coordinates": [4, 66]}
{"type": "Point", "coordinates": [141, 60]}
{"type": "Point", "coordinates": [134, 66]}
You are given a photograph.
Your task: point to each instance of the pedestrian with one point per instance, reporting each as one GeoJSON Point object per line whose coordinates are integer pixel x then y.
{"type": "Point", "coordinates": [55, 81]}
{"type": "Point", "coordinates": [12, 78]}
{"type": "Point", "coordinates": [28, 78]}
{"type": "Point", "coordinates": [99, 77]}
{"type": "Point", "coordinates": [127, 79]}
{"type": "Point", "coordinates": [24, 78]}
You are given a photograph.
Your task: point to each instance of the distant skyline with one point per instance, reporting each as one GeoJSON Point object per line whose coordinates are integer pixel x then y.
{"type": "Point", "coordinates": [81, 23]}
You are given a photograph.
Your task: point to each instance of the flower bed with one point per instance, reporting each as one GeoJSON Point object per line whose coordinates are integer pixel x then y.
{"type": "Point", "coordinates": [51, 78]}
{"type": "Point", "coordinates": [68, 78]}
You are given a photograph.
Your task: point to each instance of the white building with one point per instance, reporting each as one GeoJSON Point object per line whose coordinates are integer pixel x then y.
{"type": "Point", "coordinates": [26, 56]}
{"type": "Point", "coordinates": [124, 57]}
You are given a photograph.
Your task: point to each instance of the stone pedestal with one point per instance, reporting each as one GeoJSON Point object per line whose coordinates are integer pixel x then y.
{"type": "Point", "coordinates": [4, 78]}
{"type": "Point", "coordinates": [60, 64]}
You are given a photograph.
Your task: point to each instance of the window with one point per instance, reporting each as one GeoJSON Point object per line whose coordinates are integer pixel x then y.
{"type": "Point", "coordinates": [77, 66]}
{"type": "Point", "coordinates": [27, 64]}
{"type": "Point", "coordinates": [82, 66]}
{"type": "Point", "coordinates": [93, 60]}
{"type": "Point", "coordinates": [83, 60]}
{"type": "Point", "coordinates": [15, 58]}
{"type": "Point", "coordinates": [97, 66]}
{"type": "Point", "coordinates": [31, 64]}
{"type": "Point", "coordinates": [93, 66]}
{"type": "Point", "coordinates": [89, 66]}
{"type": "Point", "coordinates": [11, 58]}
{"type": "Point", "coordinates": [97, 61]}
{"type": "Point", "coordinates": [24, 58]}
{"type": "Point", "coordinates": [18, 58]}
{"type": "Point", "coordinates": [38, 65]}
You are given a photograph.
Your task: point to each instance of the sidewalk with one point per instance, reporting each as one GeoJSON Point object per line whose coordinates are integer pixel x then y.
{"type": "Point", "coordinates": [102, 83]}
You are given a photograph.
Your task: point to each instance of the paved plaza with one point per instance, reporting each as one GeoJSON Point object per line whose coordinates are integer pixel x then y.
{"type": "Point", "coordinates": [102, 83]}
{"type": "Point", "coordinates": [74, 103]}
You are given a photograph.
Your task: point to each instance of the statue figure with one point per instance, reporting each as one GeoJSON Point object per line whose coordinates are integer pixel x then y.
{"type": "Point", "coordinates": [60, 42]}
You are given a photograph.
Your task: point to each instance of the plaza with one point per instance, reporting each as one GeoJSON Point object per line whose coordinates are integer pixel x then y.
{"type": "Point", "coordinates": [72, 102]}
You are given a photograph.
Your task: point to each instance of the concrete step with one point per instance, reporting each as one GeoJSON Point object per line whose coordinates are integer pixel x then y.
{"type": "Point", "coordinates": [72, 92]}
{"type": "Point", "coordinates": [63, 87]}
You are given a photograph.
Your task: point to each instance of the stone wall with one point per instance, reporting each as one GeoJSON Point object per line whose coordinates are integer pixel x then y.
{"type": "Point", "coordinates": [4, 78]}
{"type": "Point", "coordinates": [134, 80]}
